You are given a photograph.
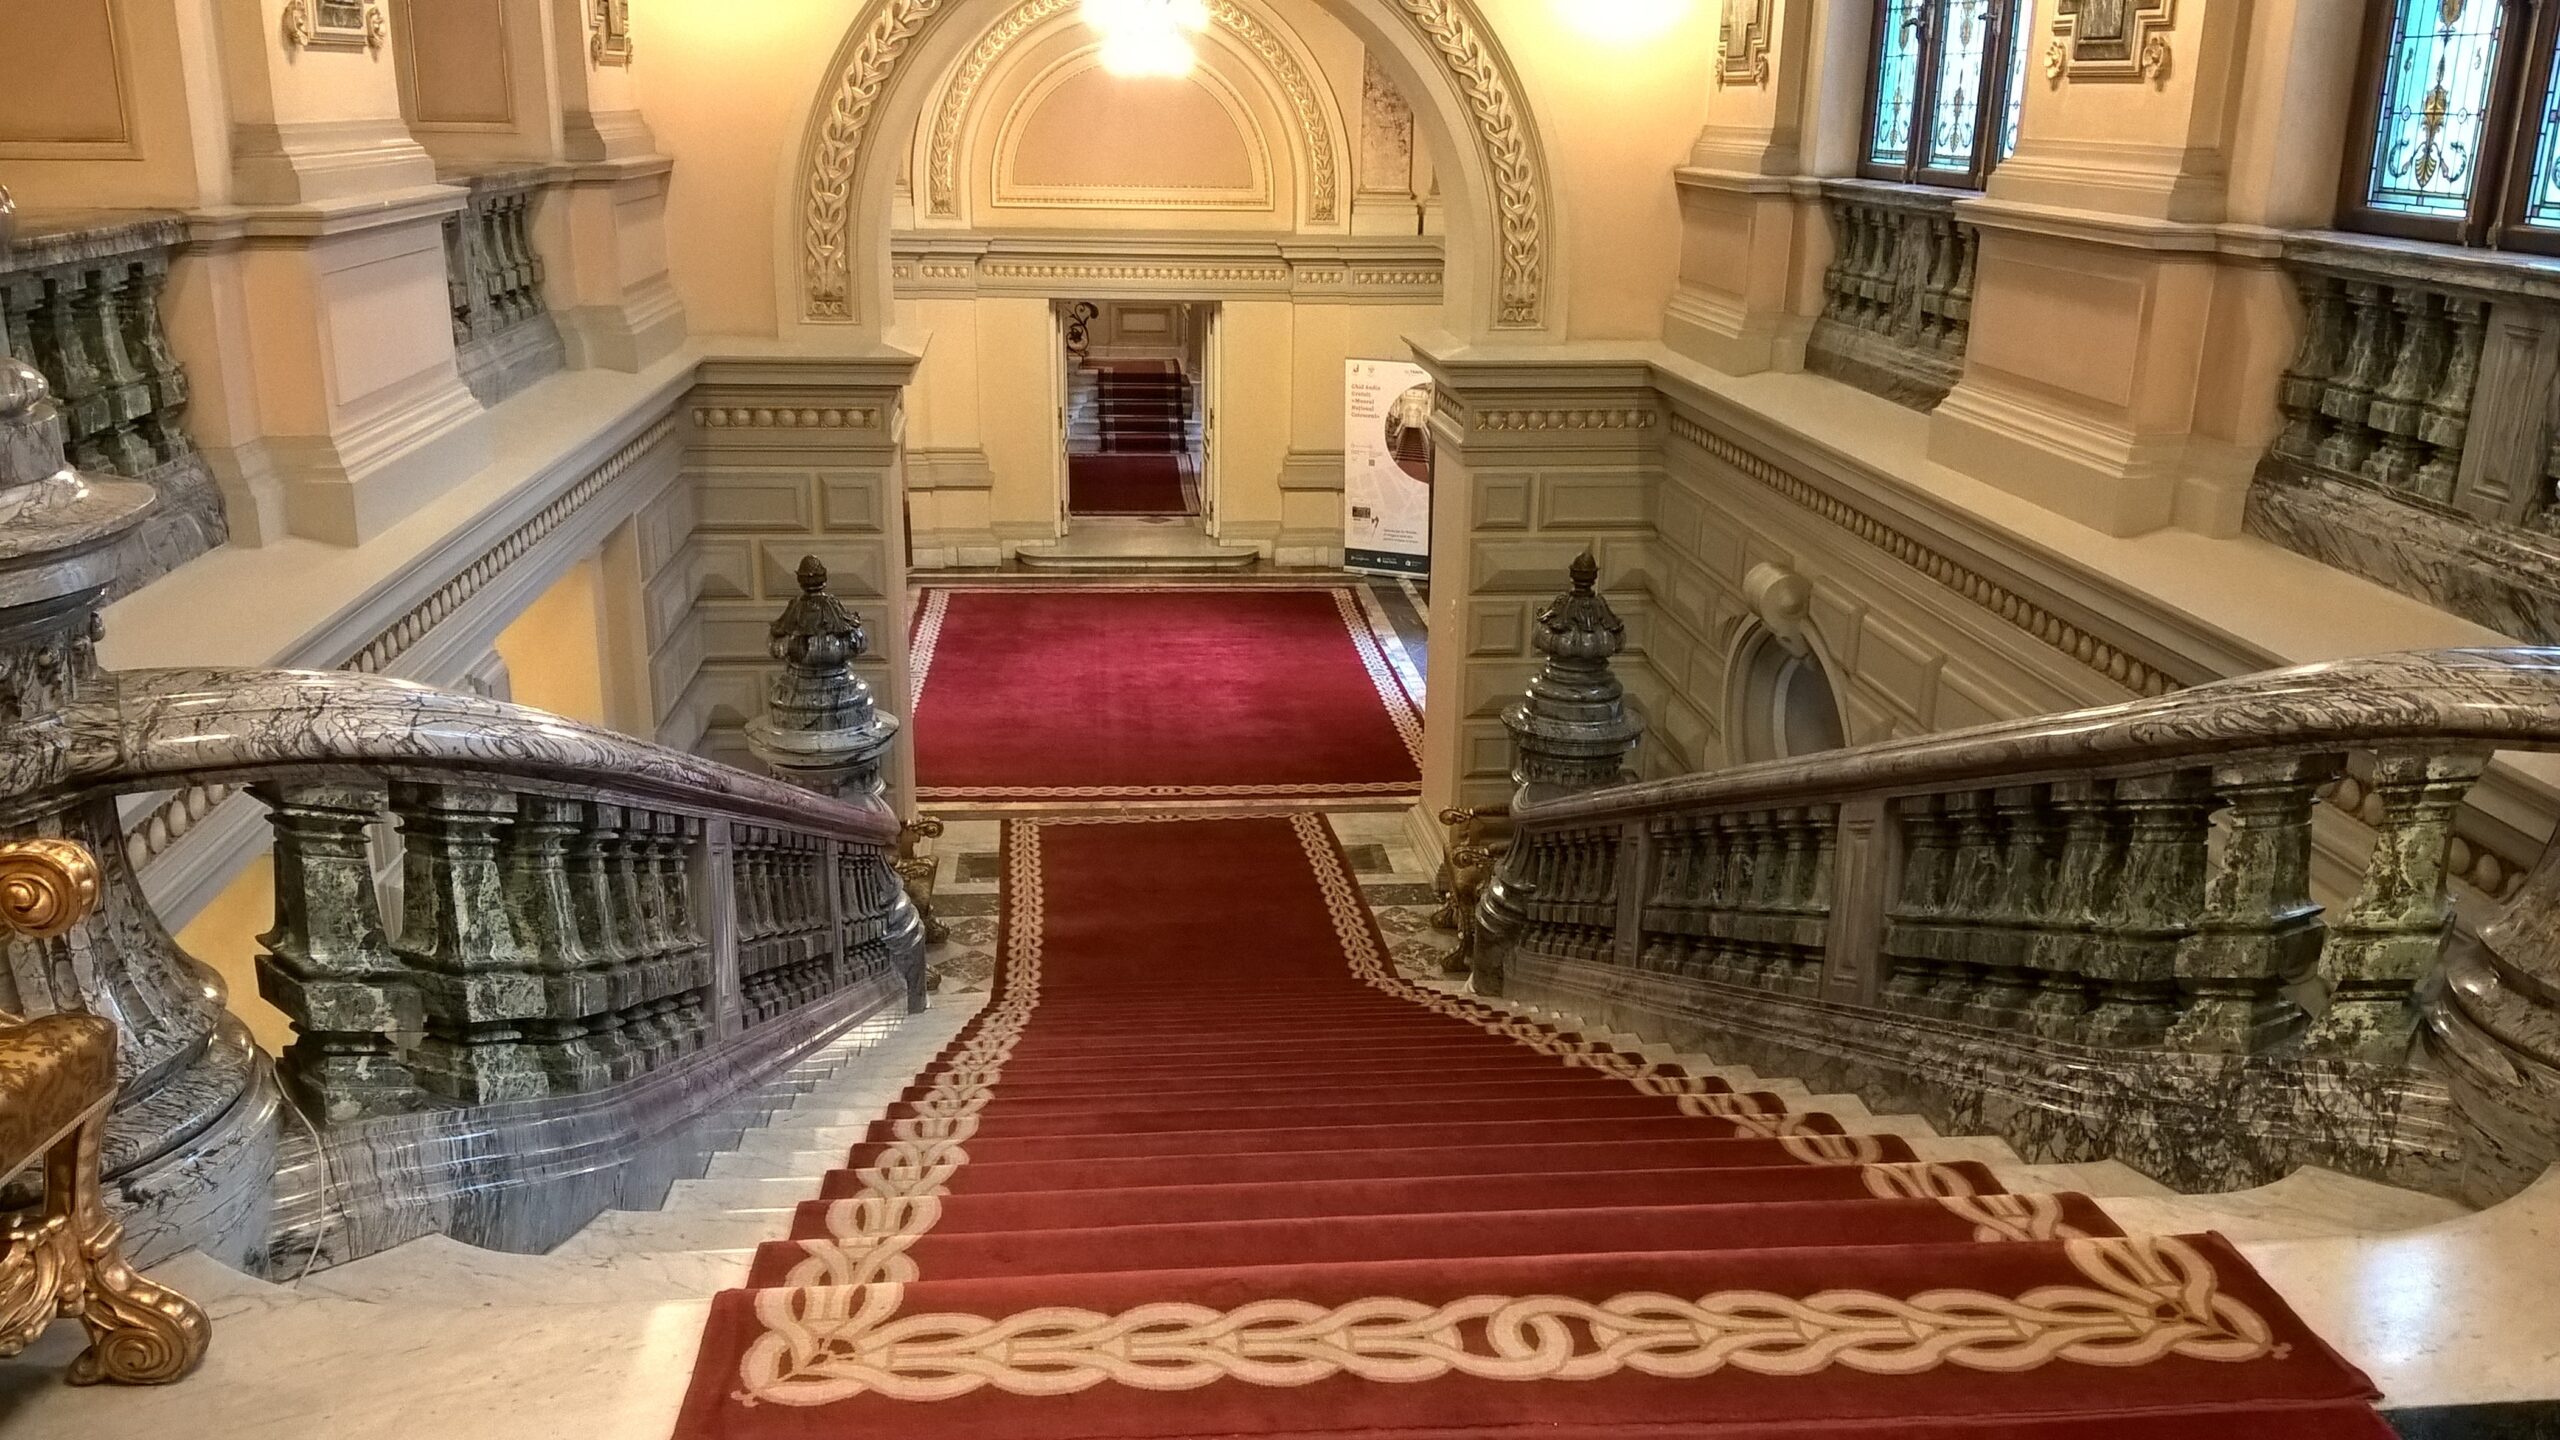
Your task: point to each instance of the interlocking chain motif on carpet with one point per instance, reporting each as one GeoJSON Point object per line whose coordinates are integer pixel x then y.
{"type": "Point", "coordinates": [837, 1333]}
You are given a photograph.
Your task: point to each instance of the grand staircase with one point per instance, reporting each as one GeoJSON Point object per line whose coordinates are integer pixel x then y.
{"type": "Point", "coordinates": [596, 1337]}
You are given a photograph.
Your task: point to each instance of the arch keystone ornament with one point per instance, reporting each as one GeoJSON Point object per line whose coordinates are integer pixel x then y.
{"type": "Point", "coordinates": [883, 42]}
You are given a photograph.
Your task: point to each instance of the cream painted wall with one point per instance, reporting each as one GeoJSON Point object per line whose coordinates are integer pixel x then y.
{"type": "Point", "coordinates": [555, 649]}
{"type": "Point", "coordinates": [224, 935]}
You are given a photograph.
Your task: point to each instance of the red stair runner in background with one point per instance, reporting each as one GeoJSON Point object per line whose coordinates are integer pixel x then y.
{"type": "Point", "coordinates": [1088, 695]}
{"type": "Point", "coordinates": [1145, 406]}
{"type": "Point", "coordinates": [1127, 485]}
{"type": "Point", "coordinates": [1208, 1167]}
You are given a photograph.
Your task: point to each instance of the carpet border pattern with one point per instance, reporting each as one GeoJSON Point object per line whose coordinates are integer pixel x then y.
{"type": "Point", "coordinates": [839, 1333]}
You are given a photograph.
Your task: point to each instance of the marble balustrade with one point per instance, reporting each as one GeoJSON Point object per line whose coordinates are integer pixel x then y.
{"type": "Point", "coordinates": [504, 336]}
{"type": "Point", "coordinates": [2112, 908]}
{"type": "Point", "coordinates": [1897, 298]}
{"type": "Point", "coordinates": [80, 300]}
{"type": "Point", "coordinates": [2419, 446]}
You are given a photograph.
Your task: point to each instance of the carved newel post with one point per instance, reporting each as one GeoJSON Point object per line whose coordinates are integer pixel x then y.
{"type": "Point", "coordinates": [186, 1071]}
{"type": "Point", "coordinates": [1569, 734]}
{"type": "Point", "coordinates": [821, 731]}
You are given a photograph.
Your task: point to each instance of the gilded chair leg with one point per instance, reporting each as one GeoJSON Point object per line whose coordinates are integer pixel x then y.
{"type": "Point", "coordinates": [139, 1333]}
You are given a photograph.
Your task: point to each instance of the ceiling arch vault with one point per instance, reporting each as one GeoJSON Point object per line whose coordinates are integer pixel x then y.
{"type": "Point", "coordinates": [1502, 241]}
{"type": "Point", "coordinates": [1318, 123]}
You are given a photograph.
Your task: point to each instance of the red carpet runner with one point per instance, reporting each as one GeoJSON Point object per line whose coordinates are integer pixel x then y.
{"type": "Point", "coordinates": [1127, 485]}
{"type": "Point", "coordinates": [1207, 1167]}
{"type": "Point", "coordinates": [1175, 694]}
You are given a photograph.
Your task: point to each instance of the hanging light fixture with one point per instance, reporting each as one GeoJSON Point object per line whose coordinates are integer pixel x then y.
{"type": "Point", "coordinates": [1148, 37]}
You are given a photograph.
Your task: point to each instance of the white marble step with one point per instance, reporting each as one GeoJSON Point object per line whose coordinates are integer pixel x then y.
{"type": "Point", "coordinates": [2310, 1203]}
{"type": "Point", "coordinates": [440, 1271]}
{"type": "Point", "coordinates": [631, 1231]}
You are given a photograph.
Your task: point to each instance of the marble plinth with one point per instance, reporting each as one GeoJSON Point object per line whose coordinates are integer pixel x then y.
{"type": "Point", "coordinates": [525, 1176]}
{"type": "Point", "coordinates": [2196, 1122]}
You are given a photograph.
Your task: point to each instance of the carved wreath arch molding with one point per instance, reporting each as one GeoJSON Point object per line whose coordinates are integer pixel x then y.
{"type": "Point", "coordinates": [886, 37]}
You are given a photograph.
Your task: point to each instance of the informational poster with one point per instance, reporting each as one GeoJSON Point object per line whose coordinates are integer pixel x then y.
{"type": "Point", "coordinates": [1386, 453]}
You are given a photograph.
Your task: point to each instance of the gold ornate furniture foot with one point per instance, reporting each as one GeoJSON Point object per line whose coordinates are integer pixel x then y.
{"type": "Point", "coordinates": [57, 1082]}
{"type": "Point", "coordinates": [917, 867]}
{"type": "Point", "coordinates": [1464, 873]}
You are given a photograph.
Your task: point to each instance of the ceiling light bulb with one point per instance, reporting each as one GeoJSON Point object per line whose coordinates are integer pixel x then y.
{"type": "Point", "coordinates": [1148, 52]}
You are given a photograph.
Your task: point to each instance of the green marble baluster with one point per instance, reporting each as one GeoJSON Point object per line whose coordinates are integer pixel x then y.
{"type": "Point", "coordinates": [147, 339]}
{"type": "Point", "coordinates": [2085, 879]}
{"type": "Point", "coordinates": [457, 282]}
{"type": "Point", "coordinates": [2261, 931]}
{"type": "Point", "coordinates": [2445, 423]}
{"type": "Point", "coordinates": [677, 837]}
{"type": "Point", "coordinates": [1815, 899]}
{"type": "Point", "coordinates": [475, 979]}
{"type": "Point", "coordinates": [2347, 400]}
{"type": "Point", "coordinates": [576, 985]}
{"type": "Point", "coordinates": [62, 352]}
{"type": "Point", "coordinates": [2323, 350]}
{"type": "Point", "coordinates": [1972, 905]}
{"type": "Point", "coordinates": [326, 965]}
{"type": "Point", "coordinates": [2158, 900]}
{"type": "Point", "coordinates": [1960, 298]}
{"type": "Point", "coordinates": [19, 297]}
{"type": "Point", "coordinates": [604, 935]}
{"type": "Point", "coordinates": [2391, 936]}
{"type": "Point", "coordinates": [2030, 841]}
{"type": "Point", "coordinates": [1928, 857]}
{"type": "Point", "coordinates": [123, 388]}
{"type": "Point", "coordinates": [645, 1020]}
{"type": "Point", "coordinates": [2399, 405]}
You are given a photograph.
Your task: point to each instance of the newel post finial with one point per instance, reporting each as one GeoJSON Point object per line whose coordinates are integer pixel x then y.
{"type": "Point", "coordinates": [821, 730]}
{"type": "Point", "coordinates": [1571, 732]}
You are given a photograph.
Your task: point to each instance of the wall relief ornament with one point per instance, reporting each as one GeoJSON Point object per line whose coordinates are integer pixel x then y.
{"type": "Point", "coordinates": [842, 133]}
{"type": "Point", "coordinates": [2111, 40]}
{"type": "Point", "coordinates": [1305, 101]}
{"type": "Point", "coordinates": [336, 25]}
{"type": "Point", "coordinates": [609, 32]}
{"type": "Point", "coordinates": [1742, 43]}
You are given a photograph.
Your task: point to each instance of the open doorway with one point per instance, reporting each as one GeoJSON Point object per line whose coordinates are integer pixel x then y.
{"type": "Point", "coordinates": [1137, 412]}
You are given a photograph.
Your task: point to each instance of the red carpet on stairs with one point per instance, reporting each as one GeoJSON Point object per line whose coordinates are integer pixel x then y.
{"type": "Point", "coordinates": [1091, 695]}
{"type": "Point", "coordinates": [1145, 406]}
{"type": "Point", "coordinates": [1207, 1166]}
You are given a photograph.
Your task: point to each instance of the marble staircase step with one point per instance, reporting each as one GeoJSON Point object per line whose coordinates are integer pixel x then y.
{"type": "Point", "coordinates": [2310, 1203]}
{"type": "Point", "coordinates": [440, 1271]}
{"type": "Point", "coordinates": [640, 1231]}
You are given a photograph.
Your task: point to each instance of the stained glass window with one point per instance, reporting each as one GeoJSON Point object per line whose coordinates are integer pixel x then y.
{"type": "Point", "coordinates": [2542, 205]}
{"type": "Point", "coordinates": [2458, 137]}
{"type": "Point", "coordinates": [2433, 123]}
{"type": "Point", "coordinates": [1945, 79]}
{"type": "Point", "coordinates": [1897, 80]}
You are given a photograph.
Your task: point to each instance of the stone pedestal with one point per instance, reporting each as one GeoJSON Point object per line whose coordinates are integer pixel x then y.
{"type": "Point", "coordinates": [192, 1137]}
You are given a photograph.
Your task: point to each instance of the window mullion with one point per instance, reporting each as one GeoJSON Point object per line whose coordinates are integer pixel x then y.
{"type": "Point", "coordinates": [1924, 89]}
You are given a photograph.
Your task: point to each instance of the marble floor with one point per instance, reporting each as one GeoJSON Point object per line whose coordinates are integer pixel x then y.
{"type": "Point", "coordinates": [2449, 1312]}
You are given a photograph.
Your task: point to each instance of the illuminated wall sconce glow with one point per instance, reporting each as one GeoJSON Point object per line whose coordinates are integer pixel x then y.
{"type": "Point", "coordinates": [1148, 37]}
{"type": "Point", "coordinates": [1622, 21]}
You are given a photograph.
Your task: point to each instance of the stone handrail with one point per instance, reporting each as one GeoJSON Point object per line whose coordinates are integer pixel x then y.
{"type": "Point", "coordinates": [152, 729]}
{"type": "Point", "coordinates": [2123, 891]}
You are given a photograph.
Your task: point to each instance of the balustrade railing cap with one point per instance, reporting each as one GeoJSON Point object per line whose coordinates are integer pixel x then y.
{"type": "Point", "coordinates": [2438, 699]}
{"type": "Point", "coordinates": [57, 526]}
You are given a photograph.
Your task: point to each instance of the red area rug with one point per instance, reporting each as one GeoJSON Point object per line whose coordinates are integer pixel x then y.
{"type": "Point", "coordinates": [1094, 695]}
{"type": "Point", "coordinates": [1208, 1166]}
{"type": "Point", "coordinates": [1127, 485]}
